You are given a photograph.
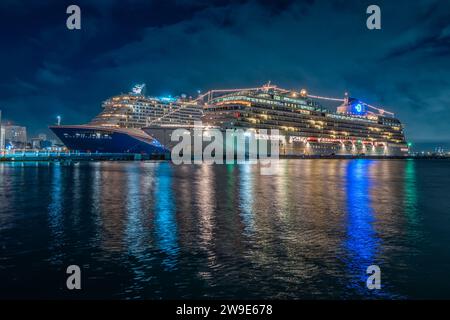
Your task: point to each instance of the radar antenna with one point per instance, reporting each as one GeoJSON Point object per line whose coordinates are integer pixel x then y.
{"type": "Point", "coordinates": [138, 89]}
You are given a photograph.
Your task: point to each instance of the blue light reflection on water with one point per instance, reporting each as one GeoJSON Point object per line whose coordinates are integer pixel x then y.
{"type": "Point", "coordinates": [165, 222]}
{"type": "Point", "coordinates": [362, 241]}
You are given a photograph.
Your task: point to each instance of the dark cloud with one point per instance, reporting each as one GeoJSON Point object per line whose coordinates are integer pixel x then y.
{"type": "Point", "coordinates": [182, 46]}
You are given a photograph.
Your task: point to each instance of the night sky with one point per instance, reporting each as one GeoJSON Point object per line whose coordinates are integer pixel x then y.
{"type": "Point", "coordinates": [184, 46]}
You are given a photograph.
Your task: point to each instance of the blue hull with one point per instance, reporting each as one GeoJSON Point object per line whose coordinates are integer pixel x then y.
{"type": "Point", "coordinates": [97, 139]}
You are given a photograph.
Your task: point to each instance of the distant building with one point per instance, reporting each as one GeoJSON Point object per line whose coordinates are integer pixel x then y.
{"type": "Point", "coordinates": [41, 142]}
{"type": "Point", "coordinates": [16, 135]}
{"type": "Point", "coordinates": [46, 144]}
{"type": "Point", "coordinates": [2, 133]}
{"type": "Point", "coordinates": [36, 143]}
{"type": "Point", "coordinates": [2, 138]}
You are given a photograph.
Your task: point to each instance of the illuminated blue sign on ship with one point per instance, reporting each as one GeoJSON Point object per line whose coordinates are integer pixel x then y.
{"type": "Point", "coordinates": [358, 108]}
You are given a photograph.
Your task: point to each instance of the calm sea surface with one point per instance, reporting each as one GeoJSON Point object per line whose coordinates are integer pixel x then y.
{"type": "Point", "coordinates": [152, 230]}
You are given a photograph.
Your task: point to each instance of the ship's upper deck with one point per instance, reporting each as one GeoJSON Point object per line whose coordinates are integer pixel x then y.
{"type": "Point", "coordinates": [349, 108]}
{"type": "Point", "coordinates": [136, 110]}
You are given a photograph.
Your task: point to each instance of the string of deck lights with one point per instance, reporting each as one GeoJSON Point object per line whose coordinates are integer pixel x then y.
{"type": "Point", "coordinates": [211, 92]}
{"type": "Point", "coordinates": [303, 93]}
{"type": "Point", "coordinates": [325, 98]}
{"type": "Point", "coordinates": [266, 87]}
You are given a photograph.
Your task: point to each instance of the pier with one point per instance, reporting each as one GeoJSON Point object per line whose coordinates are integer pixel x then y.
{"type": "Point", "coordinates": [75, 156]}
{"type": "Point", "coordinates": [16, 156]}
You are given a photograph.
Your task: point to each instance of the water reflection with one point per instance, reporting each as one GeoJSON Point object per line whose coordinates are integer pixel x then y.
{"type": "Point", "coordinates": [206, 203]}
{"type": "Point", "coordinates": [155, 230]}
{"type": "Point", "coordinates": [112, 206]}
{"type": "Point", "coordinates": [247, 198]}
{"type": "Point", "coordinates": [6, 185]}
{"type": "Point", "coordinates": [55, 216]}
{"type": "Point", "coordinates": [76, 202]}
{"type": "Point", "coordinates": [165, 223]}
{"type": "Point", "coordinates": [410, 193]}
{"type": "Point", "coordinates": [135, 224]}
{"type": "Point", "coordinates": [362, 241]}
{"type": "Point", "coordinates": [281, 193]}
{"type": "Point", "coordinates": [95, 201]}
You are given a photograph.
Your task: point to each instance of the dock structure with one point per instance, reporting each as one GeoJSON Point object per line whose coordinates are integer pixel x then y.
{"type": "Point", "coordinates": [75, 156]}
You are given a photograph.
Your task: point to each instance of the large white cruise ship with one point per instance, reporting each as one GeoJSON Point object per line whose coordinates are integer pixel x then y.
{"type": "Point", "coordinates": [305, 127]}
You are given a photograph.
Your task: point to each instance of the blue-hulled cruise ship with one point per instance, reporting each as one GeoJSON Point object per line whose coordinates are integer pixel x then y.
{"type": "Point", "coordinates": [117, 129]}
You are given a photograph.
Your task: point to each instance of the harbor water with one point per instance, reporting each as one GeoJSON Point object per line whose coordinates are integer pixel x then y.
{"type": "Point", "coordinates": [154, 230]}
